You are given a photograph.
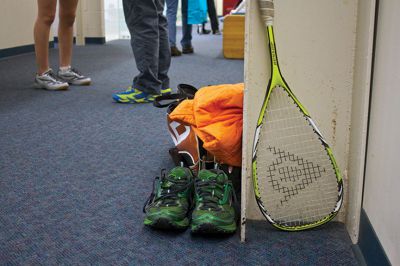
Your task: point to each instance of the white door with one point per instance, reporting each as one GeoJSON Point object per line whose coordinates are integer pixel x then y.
{"type": "Point", "coordinates": [382, 177]}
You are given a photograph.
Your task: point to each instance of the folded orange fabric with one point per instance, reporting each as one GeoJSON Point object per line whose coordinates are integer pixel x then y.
{"type": "Point", "coordinates": [216, 115]}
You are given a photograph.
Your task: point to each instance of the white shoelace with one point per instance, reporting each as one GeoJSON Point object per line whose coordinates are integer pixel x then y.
{"type": "Point", "coordinates": [52, 78]}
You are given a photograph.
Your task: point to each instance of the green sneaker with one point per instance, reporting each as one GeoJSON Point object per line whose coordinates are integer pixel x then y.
{"type": "Point", "coordinates": [215, 202]}
{"type": "Point", "coordinates": [170, 202]}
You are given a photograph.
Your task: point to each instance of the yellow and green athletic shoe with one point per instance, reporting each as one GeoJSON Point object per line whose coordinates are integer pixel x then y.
{"type": "Point", "coordinates": [132, 95]}
{"type": "Point", "coordinates": [170, 202]}
{"type": "Point", "coordinates": [215, 203]}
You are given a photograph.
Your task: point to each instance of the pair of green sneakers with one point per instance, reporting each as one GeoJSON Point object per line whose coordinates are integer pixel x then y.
{"type": "Point", "coordinates": [207, 203]}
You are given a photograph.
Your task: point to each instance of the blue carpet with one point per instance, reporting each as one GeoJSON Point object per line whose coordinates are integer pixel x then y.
{"type": "Point", "coordinates": [76, 168]}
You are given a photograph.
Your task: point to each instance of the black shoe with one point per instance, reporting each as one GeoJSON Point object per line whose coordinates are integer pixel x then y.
{"type": "Point", "coordinates": [217, 32]}
{"type": "Point", "coordinates": [188, 50]}
{"type": "Point", "coordinates": [202, 30]}
{"type": "Point", "coordinates": [175, 51]}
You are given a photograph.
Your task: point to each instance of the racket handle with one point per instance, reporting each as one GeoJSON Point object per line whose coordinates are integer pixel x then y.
{"type": "Point", "coordinates": [267, 11]}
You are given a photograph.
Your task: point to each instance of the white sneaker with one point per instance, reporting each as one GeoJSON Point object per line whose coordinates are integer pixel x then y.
{"type": "Point", "coordinates": [49, 81]}
{"type": "Point", "coordinates": [73, 76]}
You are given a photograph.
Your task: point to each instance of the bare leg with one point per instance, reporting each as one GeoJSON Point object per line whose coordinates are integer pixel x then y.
{"type": "Point", "coordinates": [41, 32]}
{"type": "Point", "coordinates": [65, 30]}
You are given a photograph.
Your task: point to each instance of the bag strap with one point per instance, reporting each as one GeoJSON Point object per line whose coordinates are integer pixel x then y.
{"type": "Point", "coordinates": [185, 91]}
{"type": "Point", "coordinates": [169, 99]}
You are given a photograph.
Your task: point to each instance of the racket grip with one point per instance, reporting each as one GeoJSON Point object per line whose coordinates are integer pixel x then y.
{"type": "Point", "coordinates": [267, 11]}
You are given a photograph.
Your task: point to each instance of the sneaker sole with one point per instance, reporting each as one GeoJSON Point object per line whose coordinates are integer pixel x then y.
{"type": "Point", "coordinates": [38, 86]}
{"type": "Point", "coordinates": [130, 101]}
{"type": "Point", "coordinates": [118, 100]}
{"type": "Point", "coordinates": [86, 83]}
{"type": "Point", "coordinates": [208, 228]}
{"type": "Point", "coordinates": [163, 223]}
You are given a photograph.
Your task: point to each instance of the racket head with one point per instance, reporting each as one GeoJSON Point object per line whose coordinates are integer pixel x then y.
{"type": "Point", "coordinates": [297, 182]}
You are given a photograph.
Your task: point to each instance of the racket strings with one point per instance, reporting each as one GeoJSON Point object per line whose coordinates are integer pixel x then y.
{"type": "Point", "coordinates": [296, 179]}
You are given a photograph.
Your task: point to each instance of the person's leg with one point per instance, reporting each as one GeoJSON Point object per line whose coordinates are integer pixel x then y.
{"type": "Point", "coordinates": [41, 32]}
{"type": "Point", "coordinates": [45, 77]}
{"type": "Point", "coordinates": [66, 73]}
{"type": "Point", "coordinates": [142, 20]}
{"type": "Point", "coordinates": [212, 13]}
{"type": "Point", "coordinates": [67, 13]}
{"type": "Point", "coordinates": [186, 41]}
{"type": "Point", "coordinates": [202, 29]}
{"type": "Point", "coordinates": [172, 9]}
{"type": "Point", "coordinates": [164, 56]}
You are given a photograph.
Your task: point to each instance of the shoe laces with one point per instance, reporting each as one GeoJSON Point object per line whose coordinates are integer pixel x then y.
{"type": "Point", "coordinates": [170, 187]}
{"type": "Point", "coordinates": [53, 78]}
{"type": "Point", "coordinates": [76, 72]}
{"type": "Point", "coordinates": [210, 192]}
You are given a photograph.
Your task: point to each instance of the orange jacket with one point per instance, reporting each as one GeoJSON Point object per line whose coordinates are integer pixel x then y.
{"type": "Point", "coordinates": [216, 115]}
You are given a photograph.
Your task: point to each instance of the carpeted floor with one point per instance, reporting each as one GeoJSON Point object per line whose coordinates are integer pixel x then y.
{"type": "Point", "coordinates": [76, 168]}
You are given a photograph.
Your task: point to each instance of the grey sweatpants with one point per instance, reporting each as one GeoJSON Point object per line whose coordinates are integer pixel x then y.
{"type": "Point", "coordinates": [149, 40]}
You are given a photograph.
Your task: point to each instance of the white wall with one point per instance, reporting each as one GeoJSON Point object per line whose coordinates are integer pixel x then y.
{"type": "Point", "coordinates": [382, 180]}
{"type": "Point", "coordinates": [17, 18]}
{"type": "Point", "coordinates": [359, 113]}
{"type": "Point", "coordinates": [315, 43]}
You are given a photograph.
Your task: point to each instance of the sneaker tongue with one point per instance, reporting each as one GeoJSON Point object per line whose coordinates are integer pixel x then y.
{"type": "Point", "coordinates": [212, 175]}
{"type": "Point", "coordinates": [177, 173]}
{"type": "Point", "coordinates": [211, 192]}
{"type": "Point", "coordinates": [49, 71]}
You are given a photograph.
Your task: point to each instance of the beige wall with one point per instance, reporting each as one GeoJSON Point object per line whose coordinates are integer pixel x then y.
{"type": "Point", "coordinates": [90, 20]}
{"type": "Point", "coordinates": [94, 18]}
{"type": "Point", "coordinates": [17, 18]}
